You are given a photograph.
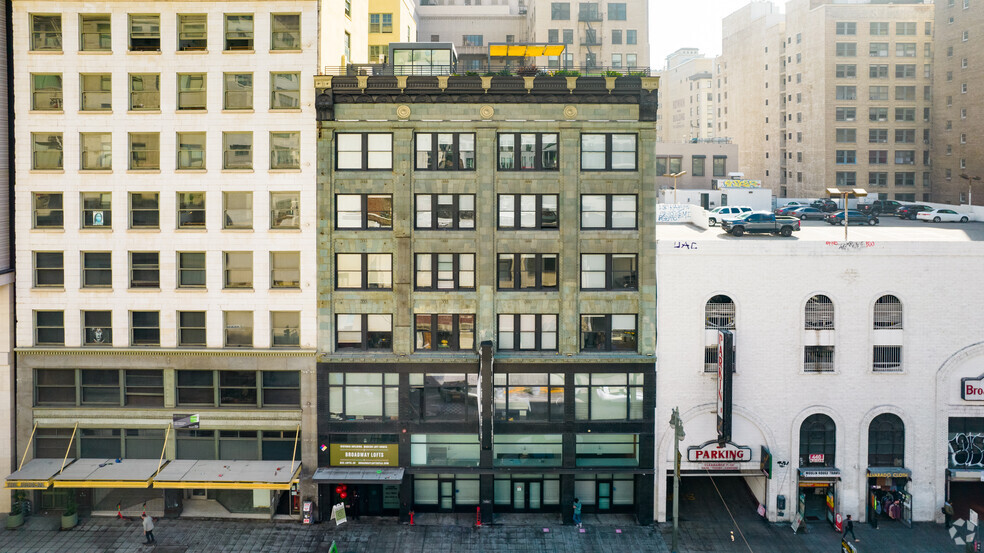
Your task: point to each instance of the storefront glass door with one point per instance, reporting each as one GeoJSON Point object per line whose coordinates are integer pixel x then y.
{"type": "Point", "coordinates": [534, 495]}
{"type": "Point", "coordinates": [604, 496]}
{"type": "Point", "coordinates": [446, 498]}
{"type": "Point", "coordinates": [519, 496]}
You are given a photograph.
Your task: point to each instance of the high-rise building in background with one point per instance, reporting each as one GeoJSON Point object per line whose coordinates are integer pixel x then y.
{"type": "Point", "coordinates": [958, 97]}
{"type": "Point", "coordinates": [686, 97]}
{"type": "Point", "coordinates": [390, 21]}
{"type": "Point", "coordinates": [343, 33]}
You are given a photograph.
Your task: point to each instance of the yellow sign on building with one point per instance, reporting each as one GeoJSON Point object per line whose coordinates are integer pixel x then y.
{"type": "Point", "coordinates": [365, 455]}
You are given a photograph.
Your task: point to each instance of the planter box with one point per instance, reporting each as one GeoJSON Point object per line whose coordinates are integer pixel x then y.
{"type": "Point", "coordinates": [591, 84]}
{"type": "Point", "coordinates": [15, 521]}
{"type": "Point", "coordinates": [465, 84]}
{"type": "Point", "coordinates": [550, 85]}
{"type": "Point", "coordinates": [507, 84]}
{"type": "Point", "coordinates": [69, 521]}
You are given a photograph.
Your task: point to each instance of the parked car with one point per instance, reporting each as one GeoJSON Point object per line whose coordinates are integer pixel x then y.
{"type": "Point", "coordinates": [784, 210]}
{"type": "Point", "coordinates": [806, 212]}
{"type": "Point", "coordinates": [942, 216]}
{"type": "Point", "coordinates": [884, 206]}
{"type": "Point", "coordinates": [854, 217]}
{"type": "Point", "coordinates": [824, 204]}
{"type": "Point", "coordinates": [910, 211]}
{"type": "Point", "coordinates": [725, 211]}
{"type": "Point", "coordinates": [760, 222]}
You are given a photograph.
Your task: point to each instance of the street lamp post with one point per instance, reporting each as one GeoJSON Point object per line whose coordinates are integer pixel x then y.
{"type": "Point", "coordinates": [847, 193]}
{"type": "Point", "coordinates": [678, 434]}
{"type": "Point", "coordinates": [970, 187]}
{"type": "Point", "coordinates": [675, 176]}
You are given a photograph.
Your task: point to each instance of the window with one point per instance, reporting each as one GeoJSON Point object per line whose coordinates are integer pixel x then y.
{"type": "Point", "coordinates": [719, 166]}
{"type": "Point", "coordinates": [527, 271]}
{"type": "Point", "coordinates": [878, 29]}
{"type": "Point", "coordinates": [846, 28]}
{"type": "Point", "coordinates": [608, 396]}
{"type": "Point", "coordinates": [877, 157]}
{"type": "Point", "coordinates": [285, 269]}
{"type": "Point", "coordinates": [444, 332]}
{"type": "Point", "coordinates": [609, 272]}
{"type": "Point", "coordinates": [905, 136]}
{"type": "Point", "coordinates": [365, 211]}
{"type": "Point", "coordinates": [588, 11]}
{"type": "Point", "coordinates": [444, 271]}
{"type": "Point", "coordinates": [528, 211]}
{"type": "Point", "coordinates": [190, 151]}
{"type": "Point", "coordinates": [528, 396]}
{"type": "Point", "coordinates": [608, 333]}
{"type": "Point", "coordinates": [48, 211]}
{"type": "Point", "coordinates": [191, 269]}
{"type": "Point", "coordinates": [145, 92]}
{"type": "Point", "coordinates": [49, 269]}
{"type": "Point", "coordinates": [531, 450]}
{"type": "Point", "coordinates": [905, 114]}
{"type": "Point", "coordinates": [527, 332]}
{"type": "Point", "coordinates": [372, 332]}
{"type": "Point", "coordinates": [697, 166]}
{"type": "Point", "coordinates": [878, 49]}
{"type": "Point", "coordinates": [364, 151]}
{"type": "Point", "coordinates": [145, 151]}
{"type": "Point", "coordinates": [528, 152]}
{"type": "Point", "coordinates": [845, 114]}
{"type": "Point", "coordinates": [191, 210]}
{"type": "Point", "coordinates": [145, 328]}
{"type": "Point", "coordinates": [285, 150]}
{"type": "Point", "coordinates": [818, 441]}
{"type": "Point", "coordinates": [96, 92]}
{"type": "Point", "coordinates": [845, 157]}
{"type": "Point", "coordinates": [472, 40]}
{"type": "Point", "coordinates": [364, 396]}
{"type": "Point", "coordinates": [54, 387]}
{"type": "Point", "coordinates": [886, 359]}
{"type": "Point", "coordinates": [237, 150]}
{"type": "Point", "coordinates": [144, 210]}
{"type": "Point", "coordinates": [97, 328]}
{"type": "Point", "coordinates": [878, 71]}
{"type": "Point", "coordinates": [191, 328]}
{"type": "Point", "coordinates": [630, 36]}
{"type": "Point", "coordinates": [237, 270]}
{"type": "Point", "coordinates": [285, 211]}
{"type": "Point", "coordinates": [965, 36]}
{"type": "Point", "coordinates": [846, 49]}
{"type": "Point", "coordinates": [569, 39]}
{"type": "Point", "coordinates": [445, 152]}
{"type": "Point", "coordinates": [238, 91]}
{"type": "Point", "coordinates": [616, 36]}
{"type": "Point", "coordinates": [878, 93]}
{"type": "Point", "coordinates": [195, 388]}
{"type": "Point", "coordinates": [905, 157]}
{"type": "Point", "coordinates": [285, 31]}
{"type": "Point", "coordinates": [905, 49]}
{"type": "Point", "coordinates": [905, 71]}
{"type": "Point", "coordinates": [145, 33]}
{"type": "Point", "coordinates": [886, 440]}
{"type": "Point", "coordinates": [847, 93]}
{"type": "Point", "coordinates": [876, 178]}
{"type": "Point", "coordinates": [49, 328]}
{"type": "Point", "coordinates": [347, 48]}
{"type": "Point", "coordinates": [97, 269]}
{"type": "Point", "coordinates": [238, 32]}
{"type": "Point", "coordinates": [285, 328]}
{"type": "Point", "coordinates": [97, 151]}
{"type": "Point", "coordinates": [445, 211]}
{"type": "Point", "coordinates": [846, 71]}
{"type": "Point", "coordinates": [145, 270]}
{"type": "Point", "coordinates": [907, 28]}
{"type": "Point", "coordinates": [819, 313]}
{"type": "Point", "coordinates": [46, 91]}
{"type": "Point", "coordinates": [616, 11]}
{"type": "Point", "coordinates": [878, 114]}
{"type": "Point", "coordinates": [192, 32]}
{"type": "Point", "coordinates": [608, 152]}
{"type": "Point", "coordinates": [364, 271]}
{"type": "Point", "coordinates": [560, 11]}
{"type": "Point", "coordinates": [191, 91]}
{"type": "Point", "coordinates": [238, 330]}
{"type": "Point", "coordinates": [719, 314]}
{"type": "Point", "coordinates": [444, 397]}
{"type": "Point", "coordinates": [844, 136]}
{"type": "Point", "coordinates": [818, 359]}
{"type": "Point", "coordinates": [285, 91]}
{"type": "Point", "coordinates": [905, 178]}
{"type": "Point", "coordinates": [46, 33]}
{"type": "Point", "coordinates": [380, 23]}
{"type": "Point", "coordinates": [608, 211]}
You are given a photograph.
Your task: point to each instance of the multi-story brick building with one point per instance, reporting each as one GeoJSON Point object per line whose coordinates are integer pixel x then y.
{"type": "Point", "coordinates": [485, 293]}
{"type": "Point", "coordinates": [165, 215]}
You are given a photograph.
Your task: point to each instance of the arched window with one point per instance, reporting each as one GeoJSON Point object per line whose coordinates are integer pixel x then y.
{"type": "Point", "coordinates": [888, 312]}
{"type": "Point", "coordinates": [818, 441]}
{"type": "Point", "coordinates": [819, 313]}
{"type": "Point", "coordinates": [719, 314]}
{"type": "Point", "coordinates": [886, 441]}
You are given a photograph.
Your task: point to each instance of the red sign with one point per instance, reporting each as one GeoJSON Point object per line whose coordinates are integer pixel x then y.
{"type": "Point", "coordinates": [816, 457]}
{"type": "Point", "coordinates": [720, 391]}
{"type": "Point", "coordinates": [972, 389]}
{"type": "Point", "coordinates": [711, 452]}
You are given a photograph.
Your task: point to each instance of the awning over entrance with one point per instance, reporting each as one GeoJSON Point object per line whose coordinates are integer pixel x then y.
{"type": "Point", "coordinates": [965, 475]}
{"type": "Point", "coordinates": [36, 474]}
{"type": "Point", "coordinates": [228, 475]}
{"type": "Point", "coordinates": [359, 475]}
{"type": "Point", "coordinates": [820, 473]}
{"type": "Point", "coordinates": [108, 473]}
{"type": "Point", "coordinates": [889, 472]}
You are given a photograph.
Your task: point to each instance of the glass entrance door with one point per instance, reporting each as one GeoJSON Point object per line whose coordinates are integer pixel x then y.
{"type": "Point", "coordinates": [604, 495]}
{"type": "Point", "coordinates": [527, 495]}
{"type": "Point", "coordinates": [535, 494]}
{"type": "Point", "coordinates": [446, 495]}
{"type": "Point", "coordinates": [519, 495]}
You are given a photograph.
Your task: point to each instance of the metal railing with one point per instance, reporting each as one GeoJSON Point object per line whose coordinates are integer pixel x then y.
{"type": "Point", "coordinates": [485, 69]}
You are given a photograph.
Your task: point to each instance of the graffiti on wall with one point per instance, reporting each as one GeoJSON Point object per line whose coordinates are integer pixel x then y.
{"type": "Point", "coordinates": [672, 213]}
{"type": "Point", "coordinates": [967, 450]}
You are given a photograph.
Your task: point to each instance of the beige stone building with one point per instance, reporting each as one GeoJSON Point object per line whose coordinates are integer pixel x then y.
{"type": "Point", "coordinates": [686, 98]}
{"type": "Point", "coordinates": [958, 97]}
{"type": "Point", "coordinates": [343, 32]}
{"type": "Point", "coordinates": [6, 285]}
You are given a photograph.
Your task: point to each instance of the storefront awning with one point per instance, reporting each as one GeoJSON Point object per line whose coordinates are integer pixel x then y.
{"type": "Point", "coordinates": [965, 475]}
{"type": "Point", "coordinates": [107, 473]}
{"type": "Point", "coordinates": [520, 50]}
{"type": "Point", "coordinates": [359, 475]}
{"type": "Point", "coordinates": [820, 473]}
{"type": "Point", "coordinates": [889, 472]}
{"type": "Point", "coordinates": [37, 474]}
{"type": "Point", "coordinates": [228, 475]}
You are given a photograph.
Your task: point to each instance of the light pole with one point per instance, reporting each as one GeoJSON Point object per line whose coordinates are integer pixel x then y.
{"type": "Point", "coordinates": [675, 176]}
{"type": "Point", "coordinates": [678, 434]}
{"type": "Point", "coordinates": [970, 187]}
{"type": "Point", "coordinates": [847, 193]}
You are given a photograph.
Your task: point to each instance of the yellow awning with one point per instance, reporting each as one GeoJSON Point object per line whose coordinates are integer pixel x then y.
{"type": "Point", "coordinates": [37, 474]}
{"type": "Point", "coordinates": [228, 475]}
{"type": "Point", "coordinates": [107, 473]}
{"type": "Point", "coordinates": [524, 50]}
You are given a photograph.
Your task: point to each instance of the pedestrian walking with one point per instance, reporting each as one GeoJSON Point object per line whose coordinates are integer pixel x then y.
{"type": "Point", "coordinates": [577, 512]}
{"type": "Point", "coordinates": [148, 529]}
{"type": "Point", "coordinates": [849, 527]}
{"type": "Point", "coordinates": [948, 514]}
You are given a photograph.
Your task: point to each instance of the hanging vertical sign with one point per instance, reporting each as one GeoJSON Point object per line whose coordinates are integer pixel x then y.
{"type": "Point", "coordinates": [725, 370]}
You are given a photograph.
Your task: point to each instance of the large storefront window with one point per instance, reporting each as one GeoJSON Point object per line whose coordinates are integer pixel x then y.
{"type": "Point", "coordinates": [817, 441]}
{"type": "Point", "coordinates": [444, 397]}
{"type": "Point", "coordinates": [886, 441]}
{"type": "Point", "coordinates": [363, 396]}
{"type": "Point", "coordinates": [528, 396]}
{"type": "Point", "coordinates": [445, 491]}
{"type": "Point", "coordinates": [607, 450]}
{"type": "Point", "coordinates": [965, 441]}
{"type": "Point", "coordinates": [267, 445]}
{"type": "Point", "coordinates": [605, 491]}
{"type": "Point", "coordinates": [608, 396]}
{"type": "Point", "coordinates": [444, 450]}
{"type": "Point", "coordinates": [527, 450]}
{"type": "Point", "coordinates": [527, 492]}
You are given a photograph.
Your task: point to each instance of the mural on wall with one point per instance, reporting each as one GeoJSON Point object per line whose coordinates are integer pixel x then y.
{"type": "Point", "coordinates": [967, 450]}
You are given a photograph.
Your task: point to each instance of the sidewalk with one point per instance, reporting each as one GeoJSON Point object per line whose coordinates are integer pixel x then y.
{"type": "Point", "coordinates": [455, 534]}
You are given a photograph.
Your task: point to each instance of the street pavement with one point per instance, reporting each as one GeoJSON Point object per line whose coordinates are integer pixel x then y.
{"type": "Point", "coordinates": [457, 534]}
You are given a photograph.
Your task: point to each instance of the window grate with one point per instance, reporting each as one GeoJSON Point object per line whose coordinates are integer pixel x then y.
{"type": "Point", "coordinates": [819, 313]}
{"type": "Point", "coordinates": [719, 314]}
{"type": "Point", "coordinates": [710, 359]}
{"type": "Point", "coordinates": [818, 359]}
{"type": "Point", "coordinates": [887, 359]}
{"type": "Point", "coordinates": [888, 312]}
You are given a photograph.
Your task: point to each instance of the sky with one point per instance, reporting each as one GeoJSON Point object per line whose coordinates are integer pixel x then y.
{"type": "Point", "coordinates": [675, 24]}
